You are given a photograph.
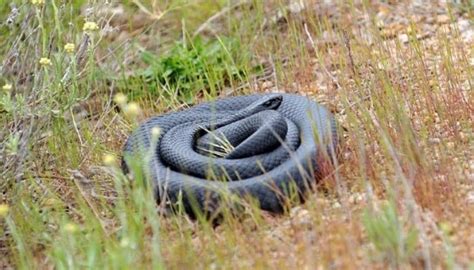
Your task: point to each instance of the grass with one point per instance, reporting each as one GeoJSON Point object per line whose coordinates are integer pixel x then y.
{"type": "Point", "coordinates": [401, 91]}
{"type": "Point", "coordinates": [386, 232]}
{"type": "Point", "coordinates": [188, 69]}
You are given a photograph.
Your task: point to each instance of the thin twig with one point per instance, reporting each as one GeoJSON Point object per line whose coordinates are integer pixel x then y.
{"type": "Point", "coordinates": [217, 15]}
{"type": "Point", "coordinates": [313, 44]}
{"type": "Point", "coordinates": [79, 179]}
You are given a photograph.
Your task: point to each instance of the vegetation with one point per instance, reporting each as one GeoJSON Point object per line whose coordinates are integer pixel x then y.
{"type": "Point", "coordinates": [387, 233]}
{"type": "Point", "coordinates": [188, 69]}
{"type": "Point", "coordinates": [76, 77]}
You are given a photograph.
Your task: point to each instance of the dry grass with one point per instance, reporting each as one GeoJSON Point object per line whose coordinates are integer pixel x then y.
{"type": "Point", "coordinates": [398, 76]}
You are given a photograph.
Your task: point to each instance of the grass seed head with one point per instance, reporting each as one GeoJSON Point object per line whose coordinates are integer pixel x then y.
{"type": "Point", "coordinates": [155, 132]}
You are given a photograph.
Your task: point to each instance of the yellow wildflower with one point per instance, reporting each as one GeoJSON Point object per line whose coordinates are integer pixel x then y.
{"type": "Point", "coordinates": [109, 160]}
{"type": "Point", "coordinates": [132, 109]}
{"type": "Point", "coordinates": [7, 87]}
{"type": "Point", "coordinates": [124, 242]}
{"type": "Point", "coordinates": [69, 47]}
{"type": "Point", "coordinates": [45, 61]}
{"type": "Point", "coordinates": [120, 99]}
{"type": "Point", "coordinates": [70, 227]}
{"type": "Point", "coordinates": [4, 210]}
{"type": "Point", "coordinates": [90, 26]}
{"type": "Point", "coordinates": [37, 2]}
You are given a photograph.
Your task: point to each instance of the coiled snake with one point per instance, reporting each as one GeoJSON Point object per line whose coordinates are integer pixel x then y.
{"type": "Point", "coordinates": [252, 145]}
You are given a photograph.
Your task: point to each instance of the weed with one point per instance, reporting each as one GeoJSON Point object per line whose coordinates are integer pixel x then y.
{"type": "Point", "coordinates": [390, 235]}
{"type": "Point", "coordinates": [194, 66]}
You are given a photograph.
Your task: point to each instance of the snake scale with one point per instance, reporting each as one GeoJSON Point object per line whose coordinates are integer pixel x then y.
{"type": "Point", "coordinates": [273, 140]}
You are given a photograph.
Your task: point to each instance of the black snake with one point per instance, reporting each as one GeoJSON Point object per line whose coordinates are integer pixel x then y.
{"type": "Point", "coordinates": [248, 145]}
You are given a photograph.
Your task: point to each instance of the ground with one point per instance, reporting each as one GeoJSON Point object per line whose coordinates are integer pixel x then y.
{"type": "Point", "coordinates": [78, 76]}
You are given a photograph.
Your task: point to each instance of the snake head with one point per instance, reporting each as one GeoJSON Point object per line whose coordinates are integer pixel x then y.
{"type": "Point", "coordinates": [266, 102]}
{"type": "Point", "coordinates": [271, 102]}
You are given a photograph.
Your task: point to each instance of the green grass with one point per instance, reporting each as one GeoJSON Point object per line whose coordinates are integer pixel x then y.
{"type": "Point", "coordinates": [404, 109]}
{"type": "Point", "coordinates": [387, 234]}
{"type": "Point", "coordinates": [191, 67]}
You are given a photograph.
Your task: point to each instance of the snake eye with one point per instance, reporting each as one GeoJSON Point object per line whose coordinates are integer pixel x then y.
{"type": "Point", "coordinates": [267, 103]}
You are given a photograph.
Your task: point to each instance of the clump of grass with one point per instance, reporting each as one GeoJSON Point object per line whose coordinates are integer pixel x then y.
{"type": "Point", "coordinates": [395, 240]}
{"type": "Point", "coordinates": [196, 65]}
{"type": "Point", "coordinates": [219, 146]}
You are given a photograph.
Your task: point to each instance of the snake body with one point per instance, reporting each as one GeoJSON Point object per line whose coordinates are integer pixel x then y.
{"type": "Point", "coordinates": [275, 140]}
